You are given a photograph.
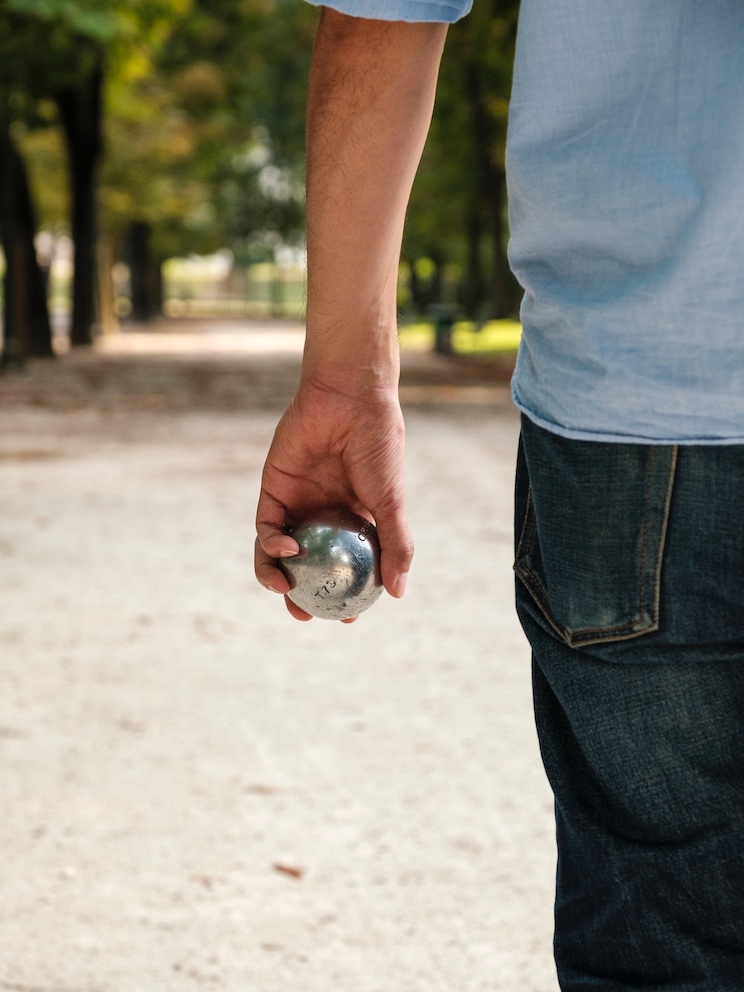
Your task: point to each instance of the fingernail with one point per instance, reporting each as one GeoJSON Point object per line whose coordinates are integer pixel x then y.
{"type": "Point", "coordinates": [274, 589]}
{"type": "Point", "coordinates": [400, 585]}
{"type": "Point", "coordinates": [287, 554]}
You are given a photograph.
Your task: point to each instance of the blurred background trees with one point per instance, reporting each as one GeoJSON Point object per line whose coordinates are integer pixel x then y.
{"type": "Point", "coordinates": [151, 129]}
{"type": "Point", "coordinates": [457, 230]}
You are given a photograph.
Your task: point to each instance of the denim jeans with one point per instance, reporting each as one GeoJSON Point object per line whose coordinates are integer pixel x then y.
{"type": "Point", "coordinates": [630, 587]}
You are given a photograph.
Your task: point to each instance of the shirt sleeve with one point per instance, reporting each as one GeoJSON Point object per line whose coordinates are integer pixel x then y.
{"type": "Point", "coordinates": [446, 11]}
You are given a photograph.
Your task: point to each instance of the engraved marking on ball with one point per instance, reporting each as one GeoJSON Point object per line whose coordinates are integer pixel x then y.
{"type": "Point", "coordinates": [336, 575]}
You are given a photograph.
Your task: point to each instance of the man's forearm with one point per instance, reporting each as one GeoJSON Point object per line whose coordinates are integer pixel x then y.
{"type": "Point", "coordinates": [371, 95]}
{"type": "Point", "coordinates": [340, 442]}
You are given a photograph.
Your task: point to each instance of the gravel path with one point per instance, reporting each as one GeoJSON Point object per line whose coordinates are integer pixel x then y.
{"type": "Point", "coordinates": [200, 793]}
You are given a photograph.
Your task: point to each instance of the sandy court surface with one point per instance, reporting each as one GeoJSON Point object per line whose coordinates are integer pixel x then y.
{"type": "Point", "coordinates": [200, 793]}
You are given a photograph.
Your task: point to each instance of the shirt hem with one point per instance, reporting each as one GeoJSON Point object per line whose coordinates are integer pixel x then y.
{"type": "Point", "coordinates": [577, 434]}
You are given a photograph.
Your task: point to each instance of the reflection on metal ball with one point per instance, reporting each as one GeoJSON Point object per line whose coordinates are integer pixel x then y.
{"type": "Point", "coordinates": [336, 575]}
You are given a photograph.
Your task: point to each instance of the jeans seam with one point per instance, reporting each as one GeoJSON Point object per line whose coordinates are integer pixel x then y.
{"type": "Point", "coordinates": [528, 525]}
{"type": "Point", "coordinates": [673, 453]}
{"type": "Point", "coordinates": [644, 541]}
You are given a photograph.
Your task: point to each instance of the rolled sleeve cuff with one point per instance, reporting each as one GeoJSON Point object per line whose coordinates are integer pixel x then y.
{"type": "Point", "coordinates": [445, 11]}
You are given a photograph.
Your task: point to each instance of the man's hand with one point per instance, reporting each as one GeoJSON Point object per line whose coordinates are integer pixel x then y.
{"type": "Point", "coordinates": [332, 449]}
{"type": "Point", "coordinates": [370, 99]}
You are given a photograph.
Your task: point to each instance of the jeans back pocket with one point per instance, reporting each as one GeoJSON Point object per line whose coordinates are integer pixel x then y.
{"type": "Point", "coordinates": [592, 520]}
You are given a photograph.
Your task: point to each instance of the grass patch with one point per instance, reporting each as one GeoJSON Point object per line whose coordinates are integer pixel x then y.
{"type": "Point", "coordinates": [495, 337]}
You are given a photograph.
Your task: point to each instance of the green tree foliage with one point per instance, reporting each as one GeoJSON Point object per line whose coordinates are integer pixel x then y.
{"type": "Point", "coordinates": [457, 215]}
{"type": "Point", "coordinates": [188, 116]}
{"type": "Point", "coordinates": [239, 71]}
{"type": "Point", "coordinates": [205, 137]}
{"type": "Point", "coordinates": [60, 51]}
{"type": "Point", "coordinates": [203, 130]}
{"type": "Point", "coordinates": [35, 60]}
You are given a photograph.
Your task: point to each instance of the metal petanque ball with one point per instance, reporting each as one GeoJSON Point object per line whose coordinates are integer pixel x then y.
{"type": "Point", "coordinates": [336, 575]}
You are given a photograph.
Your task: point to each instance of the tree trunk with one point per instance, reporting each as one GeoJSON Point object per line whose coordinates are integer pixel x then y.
{"type": "Point", "coordinates": [472, 291]}
{"type": "Point", "coordinates": [80, 113]}
{"type": "Point", "coordinates": [506, 293]}
{"type": "Point", "coordinates": [108, 321]}
{"type": "Point", "coordinates": [27, 329]}
{"type": "Point", "coordinates": [144, 274]}
{"type": "Point", "coordinates": [426, 291]}
{"type": "Point", "coordinates": [488, 198]}
{"type": "Point", "coordinates": [436, 288]}
{"type": "Point", "coordinates": [415, 289]}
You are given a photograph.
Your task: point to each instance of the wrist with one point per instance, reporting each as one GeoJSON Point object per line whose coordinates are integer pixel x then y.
{"type": "Point", "coordinates": [352, 378]}
{"type": "Point", "coordinates": [352, 354]}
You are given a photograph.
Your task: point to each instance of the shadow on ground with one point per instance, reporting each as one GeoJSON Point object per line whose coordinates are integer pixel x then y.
{"type": "Point", "coordinates": [229, 369]}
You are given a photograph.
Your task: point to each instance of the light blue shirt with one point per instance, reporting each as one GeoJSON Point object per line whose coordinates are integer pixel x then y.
{"type": "Point", "coordinates": [625, 167]}
{"type": "Point", "coordinates": [447, 11]}
{"type": "Point", "coordinates": [625, 164]}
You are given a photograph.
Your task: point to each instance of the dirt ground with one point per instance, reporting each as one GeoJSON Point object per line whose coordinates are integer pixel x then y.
{"type": "Point", "coordinates": [200, 793]}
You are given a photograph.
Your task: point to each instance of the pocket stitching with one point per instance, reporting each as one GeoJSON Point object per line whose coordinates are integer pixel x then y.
{"type": "Point", "coordinates": [634, 627]}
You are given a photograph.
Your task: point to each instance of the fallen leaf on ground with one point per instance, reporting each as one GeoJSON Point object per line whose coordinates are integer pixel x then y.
{"type": "Point", "coordinates": [288, 870]}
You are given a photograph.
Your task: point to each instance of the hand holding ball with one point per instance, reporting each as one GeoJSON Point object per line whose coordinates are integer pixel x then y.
{"type": "Point", "coordinates": [336, 574]}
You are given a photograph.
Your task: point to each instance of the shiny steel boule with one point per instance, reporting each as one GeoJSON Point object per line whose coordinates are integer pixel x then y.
{"type": "Point", "coordinates": [336, 575]}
